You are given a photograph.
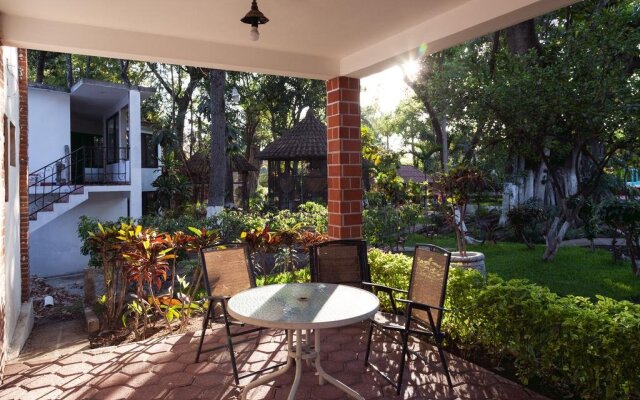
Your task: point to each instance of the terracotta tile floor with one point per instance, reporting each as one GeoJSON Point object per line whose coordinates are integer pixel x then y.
{"type": "Point", "coordinates": [164, 368]}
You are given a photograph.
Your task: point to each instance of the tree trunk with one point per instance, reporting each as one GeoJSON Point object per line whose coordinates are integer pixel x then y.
{"type": "Point", "coordinates": [42, 59]}
{"type": "Point", "coordinates": [69, 65]}
{"type": "Point", "coordinates": [87, 68]}
{"type": "Point", "coordinates": [124, 72]}
{"type": "Point", "coordinates": [218, 166]}
{"type": "Point", "coordinates": [554, 237]}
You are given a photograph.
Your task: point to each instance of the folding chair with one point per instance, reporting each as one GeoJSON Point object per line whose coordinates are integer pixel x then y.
{"type": "Point", "coordinates": [227, 271]}
{"type": "Point", "coordinates": [423, 308]}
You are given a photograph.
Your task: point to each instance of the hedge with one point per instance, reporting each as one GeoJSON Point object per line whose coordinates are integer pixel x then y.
{"type": "Point", "coordinates": [579, 347]}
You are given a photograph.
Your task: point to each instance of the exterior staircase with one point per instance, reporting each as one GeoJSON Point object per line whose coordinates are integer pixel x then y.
{"type": "Point", "coordinates": [66, 182]}
{"type": "Point", "coordinates": [44, 209]}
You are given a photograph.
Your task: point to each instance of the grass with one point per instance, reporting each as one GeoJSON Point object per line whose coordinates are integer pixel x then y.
{"type": "Point", "coordinates": [574, 270]}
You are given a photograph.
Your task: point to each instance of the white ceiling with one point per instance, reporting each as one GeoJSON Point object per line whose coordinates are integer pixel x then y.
{"type": "Point", "coordinates": [310, 38]}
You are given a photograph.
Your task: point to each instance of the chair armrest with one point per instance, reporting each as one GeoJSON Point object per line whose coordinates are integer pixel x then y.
{"type": "Point", "coordinates": [388, 290]}
{"type": "Point", "coordinates": [383, 288]}
{"type": "Point", "coordinates": [411, 305]}
{"type": "Point", "coordinates": [421, 306]}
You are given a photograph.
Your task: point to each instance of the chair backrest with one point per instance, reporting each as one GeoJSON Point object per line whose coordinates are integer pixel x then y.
{"type": "Point", "coordinates": [340, 261]}
{"type": "Point", "coordinates": [227, 269]}
{"type": "Point", "coordinates": [429, 275]}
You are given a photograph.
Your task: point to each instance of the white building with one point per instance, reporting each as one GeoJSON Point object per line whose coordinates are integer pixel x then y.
{"type": "Point", "coordinates": [89, 154]}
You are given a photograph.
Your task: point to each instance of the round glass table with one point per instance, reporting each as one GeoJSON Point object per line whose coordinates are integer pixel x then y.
{"type": "Point", "coordinates": [298, 307]}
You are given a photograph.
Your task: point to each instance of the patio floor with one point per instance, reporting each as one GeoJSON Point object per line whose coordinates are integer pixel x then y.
{"type": "Point", "coordinates": [164, 368]}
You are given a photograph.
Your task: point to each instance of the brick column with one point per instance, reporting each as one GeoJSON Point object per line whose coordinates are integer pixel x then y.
{"type": "Point", "coordinates": [344, 158]}
{"type": "Point", "coordinates": [23, 174]}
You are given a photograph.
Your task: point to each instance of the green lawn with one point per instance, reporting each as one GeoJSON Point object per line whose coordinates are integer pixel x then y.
{"type": "Point", "coordinates": [575, 270]}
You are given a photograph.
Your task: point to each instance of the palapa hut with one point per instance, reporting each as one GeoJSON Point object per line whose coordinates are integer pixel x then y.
{"type": "Point", "coordinates": [297, 164]}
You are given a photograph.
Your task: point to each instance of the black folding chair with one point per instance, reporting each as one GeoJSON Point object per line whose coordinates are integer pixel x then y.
{"type": "Point", "coordinates": [340, 261]}
{"type": "Point", "coordinates": [423, 308]}
{"type": "Point", "coordinates": [227, 271]}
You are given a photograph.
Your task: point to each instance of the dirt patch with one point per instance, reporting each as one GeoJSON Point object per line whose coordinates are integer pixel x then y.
{"type": "Point", "coordinates": [66, 306]}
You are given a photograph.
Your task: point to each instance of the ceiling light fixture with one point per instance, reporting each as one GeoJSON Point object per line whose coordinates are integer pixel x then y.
{"type": "Point", "coordinates": [254, 18]}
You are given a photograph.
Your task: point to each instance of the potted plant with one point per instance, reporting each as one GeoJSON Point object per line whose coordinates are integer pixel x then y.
{"type": "Point", "coordinates": [455, 188]}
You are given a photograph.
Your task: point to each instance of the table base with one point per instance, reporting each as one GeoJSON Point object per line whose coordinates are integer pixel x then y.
{"type": "Point", "coordinates": [301, 351]}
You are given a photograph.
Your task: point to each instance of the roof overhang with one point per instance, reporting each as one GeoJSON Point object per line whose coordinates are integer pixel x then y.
{"type": "Point", "coordinates": [314, 38]}
{"type": "Point", "coordinates": [93, 98]}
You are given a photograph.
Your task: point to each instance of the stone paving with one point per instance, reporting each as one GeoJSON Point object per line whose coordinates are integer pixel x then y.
{"type": "Point", "coordinates": [164, 368]}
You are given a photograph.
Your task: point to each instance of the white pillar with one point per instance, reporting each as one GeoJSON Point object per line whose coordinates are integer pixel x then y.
{"type": "Point", "coordinates": [135, 155]}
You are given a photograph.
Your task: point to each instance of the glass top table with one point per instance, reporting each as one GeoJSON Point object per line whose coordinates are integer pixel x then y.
{"type": "Point", "coordinates": [299, 307]}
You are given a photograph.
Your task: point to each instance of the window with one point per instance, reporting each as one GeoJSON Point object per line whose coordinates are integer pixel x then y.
{"type": "Point", "coordinates": [149, 151]}
{"type": "Point", "coordinates": [12, 144]}
{"type": "Point", "coordinates": [112, 139]}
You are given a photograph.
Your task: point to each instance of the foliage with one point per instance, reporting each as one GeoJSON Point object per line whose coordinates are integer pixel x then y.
{"type": "Point", "coordinates": [393, 270]}
{"type": "Point", "coordinates": [456, 187]}
{"type": "Point", "coordinates": [579, 347]}
{"type": "Point", "coordinates": [523, 220]}
{"type": "Point", "coordinates": [624, 215]}
{"type": "Point", "coordinates": [172, 188]}
{"type": "Point", "coordinates": [298, 276]}
{"type": "Point", "coordinates": [576, 346]}
{"type": "Point", "coordinates": [130, 254]}
{"type": "Point", "coordinates": [313, 215]}
{"type": "Point", "coordinates": [386, 226]}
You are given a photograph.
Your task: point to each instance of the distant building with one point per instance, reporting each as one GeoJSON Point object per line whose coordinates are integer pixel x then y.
{"type": "Point", "coordinates": [411, 173]}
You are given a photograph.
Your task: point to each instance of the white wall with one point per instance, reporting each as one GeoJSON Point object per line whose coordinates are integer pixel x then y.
{"type": "Point", "coordinates": [10, 280]}
{"type": "Point", "coordinates": [49, 126]}
{"type": "Point", "coordinates": [148, 176]}
{"type": "Point", "coordinates": [55, 248]}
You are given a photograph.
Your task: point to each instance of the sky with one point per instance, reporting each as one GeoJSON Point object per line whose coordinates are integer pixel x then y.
{"type": "Point", "coordinates": [386, 87]}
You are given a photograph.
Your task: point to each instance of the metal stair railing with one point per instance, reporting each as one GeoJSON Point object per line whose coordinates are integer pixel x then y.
{"type": "Point", "coordinates": [59, 179]}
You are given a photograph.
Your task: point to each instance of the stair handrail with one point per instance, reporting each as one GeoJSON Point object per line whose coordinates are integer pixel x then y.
{"type": "Point", "coordinates": [54, 180]}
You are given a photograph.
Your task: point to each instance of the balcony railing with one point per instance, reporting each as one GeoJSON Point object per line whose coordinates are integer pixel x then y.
{"type": "Point", "coordinates": [67, 175]}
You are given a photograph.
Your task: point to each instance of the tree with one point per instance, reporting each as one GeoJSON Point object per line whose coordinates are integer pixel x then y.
{"type": "Point", "coordinates": [580, 84]}
{"type": "Point", "coordinates": [219, 163]}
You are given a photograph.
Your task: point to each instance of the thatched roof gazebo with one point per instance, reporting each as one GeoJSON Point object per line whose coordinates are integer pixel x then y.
{"type": "Point", "coordinates": [297, 164]}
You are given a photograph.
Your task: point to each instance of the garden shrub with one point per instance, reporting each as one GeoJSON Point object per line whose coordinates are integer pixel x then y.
{"type": "Point", "coordinates": [523, 221]}
{"type": "Point", "coordinates": [385, 226]}
{"type": "Point", "coordinates": [391, 270]}
{"type": "Point", "coordinates": [578, 347]}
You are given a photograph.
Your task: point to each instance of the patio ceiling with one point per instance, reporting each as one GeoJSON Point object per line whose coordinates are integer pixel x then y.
{"type": "Point", "coordinates": [307, 38]}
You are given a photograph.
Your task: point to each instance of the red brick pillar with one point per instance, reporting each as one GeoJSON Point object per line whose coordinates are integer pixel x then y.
{"type": "Point", "coordinates": [23, 175]}
{"type": "Point", "coordinates": [344, 158]}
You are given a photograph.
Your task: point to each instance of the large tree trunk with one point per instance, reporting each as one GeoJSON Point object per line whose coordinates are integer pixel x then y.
{"type": "Point", "coordinates": [218, 166]}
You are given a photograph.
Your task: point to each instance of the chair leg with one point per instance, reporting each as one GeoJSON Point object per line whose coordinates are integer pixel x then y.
{"type": "Point", "coordinates": [205, 320]}
{"type": "Point", "coordinates": [405, 351]}
{"type": "Point", "coordinates": [443, 359]}
{"type": "Point", "coordinates": [366, 357]}
{"type": "Point", "coordinates": [230, 344]}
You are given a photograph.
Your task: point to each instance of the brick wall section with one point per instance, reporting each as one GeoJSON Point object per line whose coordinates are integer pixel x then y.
{"type": "Point", "coordinates": [344, 158]}
{"type": "Point", "coordinates": [23, 88]}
